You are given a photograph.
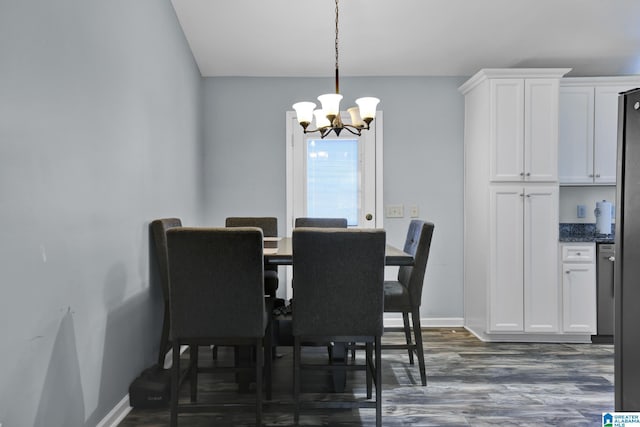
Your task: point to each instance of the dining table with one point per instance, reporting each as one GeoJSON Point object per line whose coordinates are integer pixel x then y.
{"type": "Point", "coordinates": [279, 251]}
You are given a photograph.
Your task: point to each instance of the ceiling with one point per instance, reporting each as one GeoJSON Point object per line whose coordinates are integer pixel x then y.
{"type": "Point", "coordinates": [410, 37]}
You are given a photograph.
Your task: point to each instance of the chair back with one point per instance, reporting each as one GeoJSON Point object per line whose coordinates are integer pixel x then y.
{"type": "Point", "coordinates": [321, 222]}
{"type": "Point", "coordinates": [268, 224]}
{"type": "Point", "coordinates": [418, 244]}
{"type": "Point", "coordinates": [216, 282]}
{"type": "Point", "coordinates": [159, 228]}
{"type": "Point", "coordinates": [338, 281]}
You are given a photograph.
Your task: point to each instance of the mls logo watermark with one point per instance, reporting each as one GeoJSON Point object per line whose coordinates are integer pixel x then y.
{"type": "Point", "coordinates": [621, 419]}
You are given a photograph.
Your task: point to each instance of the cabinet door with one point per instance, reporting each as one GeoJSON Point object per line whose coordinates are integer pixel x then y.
{"type": "Point", "coordinates": [541, 291]}
{"type": "Point", "coordinates": [505, 288]}
{"type": "Point", "coordinates": [541, 130]}
{"type": "Point", "coordinates": [579, 297]}
{"type": "Point", "coordinates": [575, 144]}
{"type": "Point", "coordinates": [506, 129]}
{"type": "Point", "coordinates": [606, 133]}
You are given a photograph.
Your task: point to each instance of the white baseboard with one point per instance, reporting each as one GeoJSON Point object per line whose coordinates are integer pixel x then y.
{"type": "Point", "coordinates": [428, 322]}
{"type": "Point", "coordinates": [117, 414]}
{"type": "Point", "coordinates": [530, 337]}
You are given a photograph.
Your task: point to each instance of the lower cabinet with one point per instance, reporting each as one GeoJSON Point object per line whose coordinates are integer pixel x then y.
{"type": "Point", "coordinates": [523, 286]}
{"type": "Point", "coordinates": [578, 278]}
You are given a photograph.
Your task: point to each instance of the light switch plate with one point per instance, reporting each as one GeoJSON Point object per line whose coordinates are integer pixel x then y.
{"type": "Point", "coordinates": [395, 211]}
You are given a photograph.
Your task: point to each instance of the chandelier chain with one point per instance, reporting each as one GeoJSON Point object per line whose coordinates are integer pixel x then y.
{"type": "Point", "coordinates": [336, 34]}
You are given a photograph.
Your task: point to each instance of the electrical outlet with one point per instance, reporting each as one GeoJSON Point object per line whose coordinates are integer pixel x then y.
{"type": "Point", "coordinates": [413, 212]}
{"type": "Point", "coordinates": [582, 211]}
{"type": "Point", "coordinates": [395, 211]}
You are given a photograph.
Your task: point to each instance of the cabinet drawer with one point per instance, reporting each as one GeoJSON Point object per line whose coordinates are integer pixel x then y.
{"type": "Point", "coordinates": [578, 253]}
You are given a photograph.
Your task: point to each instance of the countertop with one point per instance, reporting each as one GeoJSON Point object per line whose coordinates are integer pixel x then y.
{"type": "Point", "coordinates": [579, 232]}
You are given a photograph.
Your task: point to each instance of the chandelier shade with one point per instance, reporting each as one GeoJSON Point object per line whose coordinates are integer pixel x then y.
{"type": "Point", "coordinates": [327, 117]}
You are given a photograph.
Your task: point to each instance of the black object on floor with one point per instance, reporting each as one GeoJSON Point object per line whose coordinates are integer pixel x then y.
{"type": "Point", "coordinates": [152, 389]}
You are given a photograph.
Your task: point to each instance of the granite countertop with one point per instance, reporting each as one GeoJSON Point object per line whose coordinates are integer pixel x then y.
{"type": "Point", "coordinates": [578, 232]}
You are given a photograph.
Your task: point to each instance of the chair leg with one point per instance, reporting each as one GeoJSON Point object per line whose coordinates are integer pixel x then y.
{"type": "Point", "coordinates": [407, 335]}
{"type": "Point", "coordinates": [259, 362]}
{"type": "Point", "coordinates": [417, 330]}
{"type": "Point", "coordinates": [296, 379]}
{"type": "Point", "coordinates": [214, 352]}
{"type": "Point", "coordinates": [268, 359]}
{"type": "Point", "coordinates": [164, 337]}
{"type": "Point", "coordinates": [368, 368]}
{"type": "Point", "coordinates": [193, 379]}
{"type": "Point", "coordinates": [378, 366]}
{"type": "Point", "coordinates": [175, 385]}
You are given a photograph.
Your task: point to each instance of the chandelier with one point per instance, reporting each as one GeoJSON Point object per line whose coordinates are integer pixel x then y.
{"type": "Point", "coordinates": [328, 116]}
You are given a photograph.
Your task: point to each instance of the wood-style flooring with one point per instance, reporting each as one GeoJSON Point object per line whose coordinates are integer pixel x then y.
{"type": "Point", "coordinates": [470, 383]}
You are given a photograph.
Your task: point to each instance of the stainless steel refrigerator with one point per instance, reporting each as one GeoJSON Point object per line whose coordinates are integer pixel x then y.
{"type": "Point", "coordinates": [627, 259]}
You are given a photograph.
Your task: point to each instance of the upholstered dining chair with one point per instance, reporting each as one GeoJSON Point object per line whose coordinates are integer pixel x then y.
{"type": "Point", "coordinates": [321, 222]}
{"type": "Point", "coordinates": [159, 229]}
{"type": "Point", "coordinates": [216, 296]}
{"type": "Point", "coordinates": [338, 296]}
{"type": "Point", "coordinates": [404, 295]}
{"type": "Point", "coordinates": [269, 226]}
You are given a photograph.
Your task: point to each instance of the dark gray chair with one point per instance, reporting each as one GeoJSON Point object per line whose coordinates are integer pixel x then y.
{"type": "Point", "coordinates": [338, 296]}
{"type": "Point", "coordinates": [269, 226]}
{"type": "Point", "coordinates": [216, 296]}
{"type": "Point", "coordinates": [159, 229]}
{"type": "Point", "coordinates": [321, 222]}
{"type": "Point", "coordinates": [405, 294]}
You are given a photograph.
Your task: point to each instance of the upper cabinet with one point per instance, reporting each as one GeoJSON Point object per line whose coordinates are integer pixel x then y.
{"type": "Point", "coordinates": [522, 122]}
{"type": "Point", "coordinates": [588, 129]}
{"type": "Point", "coordinates": [524, 125]}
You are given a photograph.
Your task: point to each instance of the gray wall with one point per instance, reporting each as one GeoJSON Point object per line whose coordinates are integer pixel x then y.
{"type": "Point", "coordinates": [100, 131]}
{"type": "Point", "coordinates": [244, 121]}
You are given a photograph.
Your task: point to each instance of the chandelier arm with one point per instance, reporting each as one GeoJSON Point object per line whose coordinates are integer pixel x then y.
{"type": "Point", "coordinates": [353, 130]}
{"type": "Point", "coordinates": [315, 130]}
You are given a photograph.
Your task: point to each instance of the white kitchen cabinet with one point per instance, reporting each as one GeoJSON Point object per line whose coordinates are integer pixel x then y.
{"type": "Point", "coordinates": [524, 129]}
{"type": "Point", "coordinates": [588, 129]}
{"type": "Point", "coordinates": [511, 290]}
{"type": "Point", "coordinates": [578, 272]}
{"type": "Point", "coordinates": [523, 290]}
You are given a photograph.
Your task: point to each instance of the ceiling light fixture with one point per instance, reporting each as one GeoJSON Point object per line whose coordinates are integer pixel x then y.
{"type": "Point", "coordinates": [328, 117]}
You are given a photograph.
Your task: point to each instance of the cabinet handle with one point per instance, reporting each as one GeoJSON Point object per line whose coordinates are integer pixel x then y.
{"type": "Point", "coordinates": [590, 175]}
{"type": "Point", "coordinates": [597, 175]}
{"type": "Point", "coordinates": [528, 174]}
{"type": "Point", "coordinates": [612, 258]}
{"type": "Point", "coordinates": [521, 173]}
{"type": "Point", "coordinates": [567, 272]}
{"type": "Point", "coordinates": [578, 253]}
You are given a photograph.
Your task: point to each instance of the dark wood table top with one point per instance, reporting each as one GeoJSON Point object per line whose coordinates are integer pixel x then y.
{"type": "Point", "coordinates": [279, 251]}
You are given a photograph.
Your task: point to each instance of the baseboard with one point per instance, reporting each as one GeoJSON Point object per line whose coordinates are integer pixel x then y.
{"type": "Point", "coordinates": [428, 322]}
{"type": "Point", "coordinates": [117, 414]}
{"type": "Point", "coordinates": [530, 337]}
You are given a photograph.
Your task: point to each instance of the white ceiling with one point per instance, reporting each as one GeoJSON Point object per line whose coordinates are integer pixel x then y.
{"type": "Point", "coordinates": [411, 37]}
